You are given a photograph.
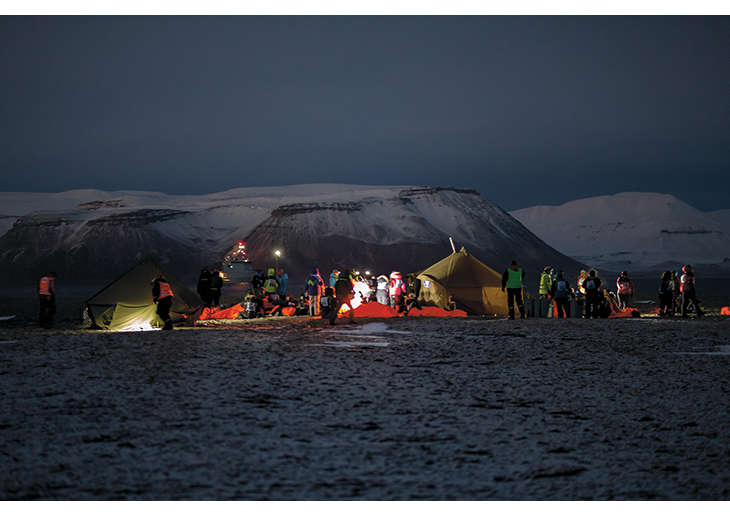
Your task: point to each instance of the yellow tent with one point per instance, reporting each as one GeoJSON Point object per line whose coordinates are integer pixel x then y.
{"type": "Point", "coordinates": [126, 304]}
{"type": "Point", "coordinates": [475, 288]}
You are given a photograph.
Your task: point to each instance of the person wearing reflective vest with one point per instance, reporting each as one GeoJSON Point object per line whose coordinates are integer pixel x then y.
{"type": "Point", "coordinates": [546, 283]}
{"type": "Point", "coordinates": [271, 283]}
{"type": "Point", "coordinates": [512, 281]}
{"type": "Point", "coordinates": [47, 300]}
{"type": "Point", "coordinates": [687, 288]}
{"type": "Point", "coordinates": [163, 296]}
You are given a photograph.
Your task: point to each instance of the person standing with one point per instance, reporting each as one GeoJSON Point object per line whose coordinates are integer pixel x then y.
{"type": "Point", "coordinates": [561, 291]}
{"type": "Point", "coordinates": [666, 294]}
{"type": "Point", "coordinates": [283, 283]}
{"type": "Point", "coordinates": [687, 287]}
{"type": "Point", "coordinates": [381, 292]}
{"type": "Point", "coordinates": [591, 285]}
{"type": "Point", "coordinates": [397, 291]}
{"type": "Point", "coordinates": [333, 277]}
{"type": "Point", "coordinates": [162, 295]}
{"type": "Point", "coordinates": [216, 284]}
{"type": "Point", "coordinates": [625, 290]}
{"type": "Point", "coordinates": [271, 284]}
{"type": "Point", "coordinates": [311, 290]}
{"type": "Point", "coordinates": [546, 283]}
{"type": "Point", "coordinates": [47, 299]}
{"type": "Point", "coordinates": [344, 292]}
{"type": "Point", "coordinates": [204, 286]}
{"type": "Point", "coordinates": [512, 281]}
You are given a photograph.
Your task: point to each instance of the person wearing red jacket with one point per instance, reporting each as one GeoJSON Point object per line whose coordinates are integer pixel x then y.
{"type": "Point", "coordinates": [163, 296]}
{"type": "Point", "coordinates": [625, 290]}
{"type": "Point", "coordinates": [47, 299]}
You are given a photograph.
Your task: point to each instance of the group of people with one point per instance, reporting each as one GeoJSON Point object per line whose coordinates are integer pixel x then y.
{"type": "Point", "coordinates": [344, 287]}
{"type": "Point", "coordinates": [676, 290]}
{"type": "Point", "coordinates": [269, 293]}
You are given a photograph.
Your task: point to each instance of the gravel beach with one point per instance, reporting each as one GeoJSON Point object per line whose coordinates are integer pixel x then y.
{"type": "Point", "coordinates": [398, 409]}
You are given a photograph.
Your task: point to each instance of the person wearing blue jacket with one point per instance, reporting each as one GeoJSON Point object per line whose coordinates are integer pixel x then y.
{"type": "Point", "coordinates": [311, 290]}
{"type": "Point", "coordinates": [283, 283]}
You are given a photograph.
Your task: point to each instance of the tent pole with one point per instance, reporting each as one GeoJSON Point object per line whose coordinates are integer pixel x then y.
{"type": "Point", "coordinates": [452, 244]}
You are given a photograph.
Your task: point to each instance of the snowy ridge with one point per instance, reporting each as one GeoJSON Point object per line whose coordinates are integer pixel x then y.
{"type": "Point", "coordinates": [638, 231]}
{"type": "Point", "coordinates": [98, 235]}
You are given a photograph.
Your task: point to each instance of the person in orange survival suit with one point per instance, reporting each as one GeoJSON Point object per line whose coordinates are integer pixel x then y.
{"type": "Point", "coordinates": [47, 299]}
{"type": "Point", "coordinates": [163, 296]}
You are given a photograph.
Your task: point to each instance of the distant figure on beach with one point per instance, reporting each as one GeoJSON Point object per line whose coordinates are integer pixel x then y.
{"type": "Point", "coordinates": [381, 292]}
{"type": "Point", "coordinates": [271, 284]}
{"type": "Point", "coordinates": [204, 286]}
{"type": "Point", "coordinates": [397, 291]}
{"type": "Point", "coordinates": [216, 284]}
{"type": "Point", "coordinates": [546, 283]}
{"type": "Point", "coordinates": [283, 277]}
{"type": "Point", "coordinates": [689, 296]}
{"type": "Point", "coordinates": [561, 291]}
{"type": "Point", "coordinates": [345, 294]}
{"type": "Point", "coordinates": [328, 305]}
{"type": "Point", "coordinates": [47, 300]}
{"type": "Point", "coordinates": [311, 290]}
{"type": "Point", "coordinates": [666, 294]}
{"type": "Point", "coordinates": [162, 295]}
{"type": "Point", "coordinates": [593, 298]}
{"type": "Point", "coordinates": [580, 284]}
{"type": "Point", "coordinates": [512, 281]}
{"type": "Point", "coordinates": [625, 290]}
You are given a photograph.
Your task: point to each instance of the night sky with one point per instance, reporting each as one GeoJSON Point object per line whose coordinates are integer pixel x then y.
{"type": "Point", "coordinates": [526, 110]}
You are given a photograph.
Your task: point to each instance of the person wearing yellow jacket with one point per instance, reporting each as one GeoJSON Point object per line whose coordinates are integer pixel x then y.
{"type": "Point", "coordinates": [546, 283]}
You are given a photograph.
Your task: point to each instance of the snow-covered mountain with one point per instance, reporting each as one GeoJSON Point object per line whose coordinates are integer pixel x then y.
{"type": "Point", "coordinates": [92, 236]}
{"type": "Point", "coordinates": [634, 231]}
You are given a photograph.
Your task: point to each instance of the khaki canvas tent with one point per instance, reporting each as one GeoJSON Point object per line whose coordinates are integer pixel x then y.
{"type": "Point", "coordinates": [126, 303]}
{"type": "Point", "coordinates": [475, 288]}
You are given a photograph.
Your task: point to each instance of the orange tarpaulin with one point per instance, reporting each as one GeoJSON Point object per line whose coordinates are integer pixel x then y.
{"type": "Point", "coordinates": [378, 310]}
{"type": "Point", "coordinates": [725, 310]}
{"type": "Point", "coordinates": [217, 313]}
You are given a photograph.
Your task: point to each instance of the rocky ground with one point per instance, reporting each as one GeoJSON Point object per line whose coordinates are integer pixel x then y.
{"type": "Point", "coordinates": [406, 409]}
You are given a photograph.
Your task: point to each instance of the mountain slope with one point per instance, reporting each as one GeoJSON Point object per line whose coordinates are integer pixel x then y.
{"type": "Point", "coordinates": [638, 231]}
{"type": "Point", "coordinates": [324, 226]}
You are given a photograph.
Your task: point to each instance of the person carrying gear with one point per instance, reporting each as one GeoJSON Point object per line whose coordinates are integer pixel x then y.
{"type": "Point", "coordinates": [47, 300]}
{"type": "Point", "coordinates": [162, 295]}
{"type": "Point", "coordinates": [561, 291]}
{"type": "Point", "coordinates": [512, 281]}
{"type": "Point", "coordinates": [625, 290]}
{"type": "Point", "coordinates": [687, 288]}
{"type": "Point", "coordinates": [593, 298]}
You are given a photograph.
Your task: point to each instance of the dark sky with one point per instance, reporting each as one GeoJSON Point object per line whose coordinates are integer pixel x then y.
{"type": "Point", "coordinates": [526, 110]}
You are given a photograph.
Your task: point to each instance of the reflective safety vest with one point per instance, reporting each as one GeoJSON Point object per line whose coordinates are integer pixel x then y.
{"type": "Point", "coordinates": [514, 278]}
{"type": "Point", "coordinates": [46, 286]}
{"type": "Point", "coordinates": [165, 290]}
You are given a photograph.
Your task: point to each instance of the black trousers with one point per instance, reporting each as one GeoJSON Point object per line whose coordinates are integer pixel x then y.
{"type": "Point", "coordinates": [163, 311]}
{"type": "Point", "coordinates": [514, 295]}
{"type": "Point", "coordinates": [47, 311]}
{"type": "Point", "coordinates": [563, 306]}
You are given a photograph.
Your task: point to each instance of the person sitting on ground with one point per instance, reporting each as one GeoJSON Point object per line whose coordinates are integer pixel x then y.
{"type": "Point", "coordinates": [328, 305]}
{"type": "Point", "coordinates": [411, 303]}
